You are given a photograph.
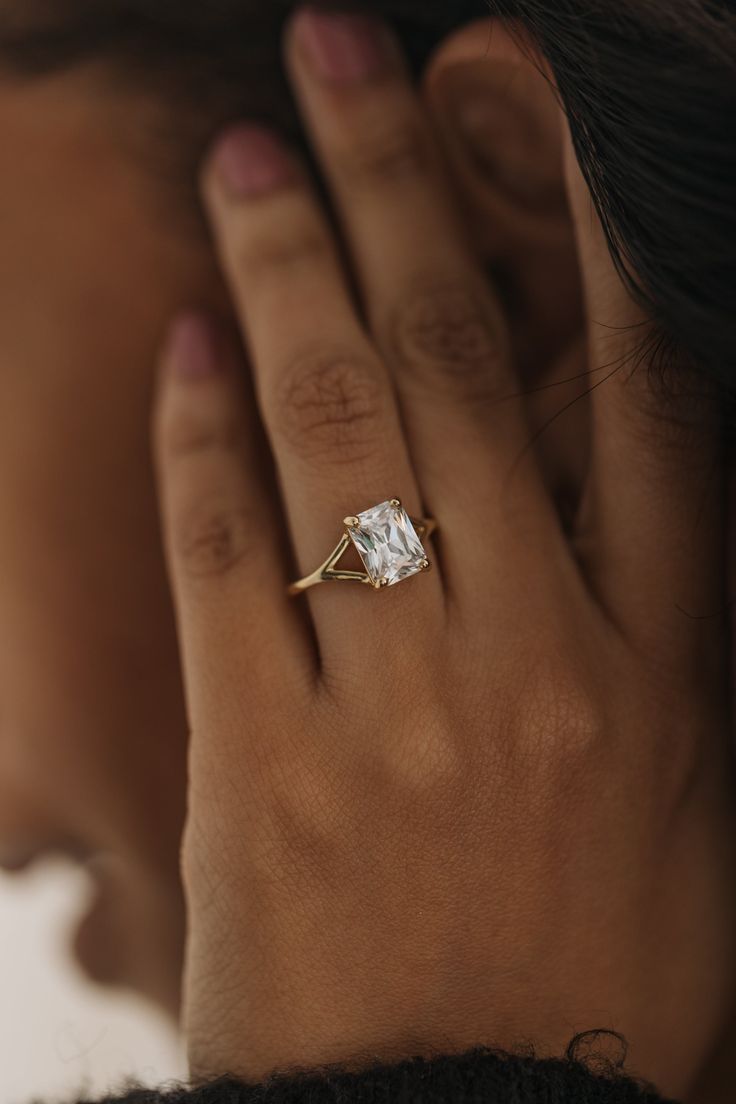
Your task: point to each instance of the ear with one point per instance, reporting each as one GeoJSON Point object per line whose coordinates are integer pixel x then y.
{"type": "Point", "coordinates": [501, 130]}
{"type": "Point", "coordinates": [499, 125]}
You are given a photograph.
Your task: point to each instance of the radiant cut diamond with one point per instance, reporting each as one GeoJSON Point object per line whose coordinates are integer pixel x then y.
{"type": "Point", "coordinates": [388, 544]}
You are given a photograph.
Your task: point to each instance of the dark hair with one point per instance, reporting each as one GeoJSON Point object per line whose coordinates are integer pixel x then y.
{"type": "Point", "coordinates": [649, 87]}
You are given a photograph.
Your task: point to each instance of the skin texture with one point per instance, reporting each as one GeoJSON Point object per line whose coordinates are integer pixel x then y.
{"type": "Point", "coordinates": [95, 260]}
{"type": "Point", "coordinates": [93, 730]}
{"type": "Point", "coordinates": [407, 832]}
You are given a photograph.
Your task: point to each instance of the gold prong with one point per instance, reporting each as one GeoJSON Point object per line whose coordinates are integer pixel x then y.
{"type": "Point", "coordinates": [396, 503]}
{"type": "Point", "coordinates": [426, 565]}
{"type": "Point", "coordinates": [352, 522]}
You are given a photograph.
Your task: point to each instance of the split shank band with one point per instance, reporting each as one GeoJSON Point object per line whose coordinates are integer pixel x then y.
{"type": "Point", "coordinates": [388, 542]}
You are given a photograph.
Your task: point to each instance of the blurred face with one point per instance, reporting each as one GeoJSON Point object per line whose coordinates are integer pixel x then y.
{"type": "Point", "coordinates": [92, 728]}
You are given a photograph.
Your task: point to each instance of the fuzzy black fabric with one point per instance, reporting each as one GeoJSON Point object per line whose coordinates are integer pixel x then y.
{"type": "Point", "coordinates": [478, 1077]}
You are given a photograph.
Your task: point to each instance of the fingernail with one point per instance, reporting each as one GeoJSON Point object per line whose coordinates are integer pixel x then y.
{"type": "Point", "coordinates": [193, 348]}
{"type": "Point", "coordinates": [251, 161]}
{"type": "Point", "coordinates": [344, 49]}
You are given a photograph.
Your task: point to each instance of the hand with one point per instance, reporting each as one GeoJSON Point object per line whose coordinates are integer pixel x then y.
{"type": "Point", "coordinates": [491, 804]}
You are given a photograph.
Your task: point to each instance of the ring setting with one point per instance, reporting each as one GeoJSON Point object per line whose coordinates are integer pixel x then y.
{"type": "Point", "coordinates": [388, 542]}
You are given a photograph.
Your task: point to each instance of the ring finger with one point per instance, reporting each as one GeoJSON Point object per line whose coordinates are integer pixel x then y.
{"type": "Point", "coordinates": [428, 302]}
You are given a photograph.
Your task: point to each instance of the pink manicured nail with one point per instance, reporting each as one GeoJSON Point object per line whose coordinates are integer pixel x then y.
{"type": "Point", "coordinates": [251, 161]}
{"type": "Point", "coordinates": [343, 49]}
{"type": "Point", "coordinates": [194, 350]}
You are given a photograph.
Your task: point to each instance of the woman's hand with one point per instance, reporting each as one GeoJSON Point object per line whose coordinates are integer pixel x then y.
{"type": "Point", "coordinates": [491, 804]}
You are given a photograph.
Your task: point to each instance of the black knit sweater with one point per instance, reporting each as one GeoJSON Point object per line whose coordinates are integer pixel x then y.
{"type": "Point", "coordinates": [479, 1077]}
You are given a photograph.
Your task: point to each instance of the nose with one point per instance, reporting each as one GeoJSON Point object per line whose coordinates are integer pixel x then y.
{"type": "Point", "coordinates": [27, 831]}
{"type": "Point", "coordinates": [33, 825]}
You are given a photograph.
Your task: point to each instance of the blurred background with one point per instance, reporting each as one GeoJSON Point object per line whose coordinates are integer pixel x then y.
{"type": "Point", "coordinates": [60, 1036]}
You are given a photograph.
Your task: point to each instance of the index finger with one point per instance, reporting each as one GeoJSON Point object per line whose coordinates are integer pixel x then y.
{"type": "Point", "coordinates": [238, 632]}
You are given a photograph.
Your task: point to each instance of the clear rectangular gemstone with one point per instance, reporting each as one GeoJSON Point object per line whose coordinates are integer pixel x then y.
{"type": "Point", "coordinates": [388, 544]}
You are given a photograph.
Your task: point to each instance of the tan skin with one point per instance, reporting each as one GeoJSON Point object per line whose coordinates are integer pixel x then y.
{"type": "Point", "coordinates": [92, 724]}
{"type": "Point", "coordinates": [475, 800]}
{"type": "Point", "coordinates": [618, 739]}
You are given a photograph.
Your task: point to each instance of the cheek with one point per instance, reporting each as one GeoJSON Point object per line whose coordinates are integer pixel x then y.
{"type": "Point", "coordinates": [91, 710]}
{"type": "Point", "coordinates": [91, 721]}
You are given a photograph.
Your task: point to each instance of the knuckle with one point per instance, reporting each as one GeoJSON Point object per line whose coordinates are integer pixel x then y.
{"type": "Point", "coordinates": [431, 766]}
{"type": "Point", "coordinates": [444, 337]}
{"type": "Point", "coordinates": [191, 435]}
{"type": "Point", "coordinates": [385, 156]}
{"type": "Point", "coordinates": [560, 723]}
{"type": "Point", "coordinates": [271, 257]}
{"type": "Point", "coordinates": [211, 539]}
{"type": "Point", "coordinates": [327, 403]}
